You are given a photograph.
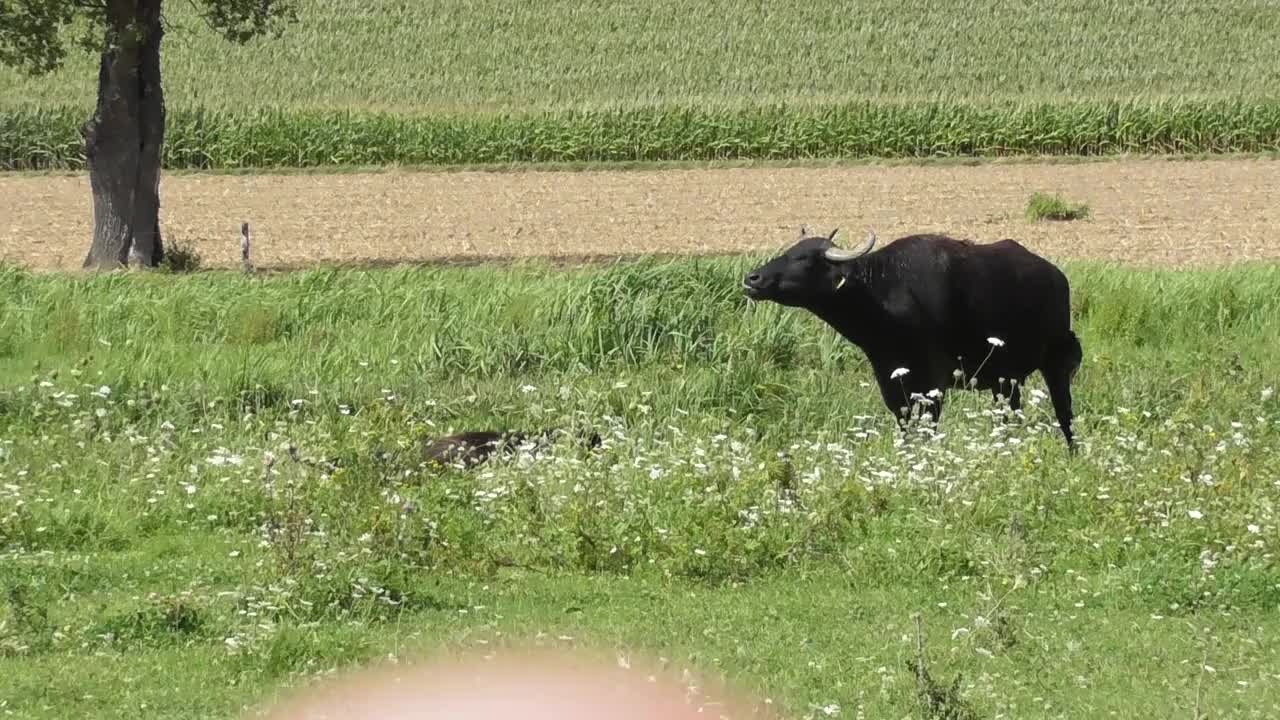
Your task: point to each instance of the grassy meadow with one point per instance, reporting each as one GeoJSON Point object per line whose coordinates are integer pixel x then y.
{"type": "Point", "coordinates": [211, 483]}
{"type": "Point", "coordinates": [210, 490]}
{"type": "Point", "coordinates": [488, 82]}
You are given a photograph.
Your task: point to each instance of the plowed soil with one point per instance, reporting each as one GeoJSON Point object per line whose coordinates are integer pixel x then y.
{"type": "Point", "coordinates": [1142, 212]}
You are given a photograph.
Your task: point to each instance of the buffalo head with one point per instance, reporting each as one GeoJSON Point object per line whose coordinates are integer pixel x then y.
{"type": "Point", "coordinates": [810, 270]}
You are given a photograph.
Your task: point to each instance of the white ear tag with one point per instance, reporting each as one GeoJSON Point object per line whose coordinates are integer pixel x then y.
{"type": "Point", "coordinates": [841, 283]}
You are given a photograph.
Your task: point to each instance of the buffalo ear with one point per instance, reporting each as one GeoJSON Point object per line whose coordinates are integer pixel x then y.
{"type": "Point", "coordinates": [804, 232]}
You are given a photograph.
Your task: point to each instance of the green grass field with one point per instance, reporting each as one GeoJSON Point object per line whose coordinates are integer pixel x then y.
{"type": "Point", "coordinates": [751, 512]}
{"type": "Point", "coordinates": [490, 82]}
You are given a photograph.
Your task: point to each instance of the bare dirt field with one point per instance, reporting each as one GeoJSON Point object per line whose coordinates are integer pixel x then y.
{"type": "Point", "coordinates": [1143, 212]}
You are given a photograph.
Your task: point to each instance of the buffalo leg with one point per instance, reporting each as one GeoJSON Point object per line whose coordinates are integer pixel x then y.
{"type": "Point", "coordinates": [1059, 383]}
{"type": "Point", "coordinates": [1014, 398]}
{"type": "Point", "coordinates": [895, 399]}
{"type": "Point", "coordinates": [933, 406]}
{"type": "Point", "coordinates": [898, 398]}
{"type": "Point", "coordinates": [1015, 394]}
{"type": "Point", "coordinates": [1064, 359]}
{"type": "Point", "coordinates": [1011, 389]}
{"type": "Point", "coordinates": [917, 406]}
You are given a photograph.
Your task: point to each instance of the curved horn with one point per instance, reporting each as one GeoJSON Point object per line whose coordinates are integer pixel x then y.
{"type": "Point", "coordinates": [835, 254]}
{"type": "Point", "coordinates": [804, 232]}
{"type": "Point", "coordinates": [832, 236]}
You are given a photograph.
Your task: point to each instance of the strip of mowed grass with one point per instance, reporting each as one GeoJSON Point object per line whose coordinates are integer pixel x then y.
{"type": "Point", "coordinates": [487, 82]}
{"type": "Point", "coordinates": [750, 512]}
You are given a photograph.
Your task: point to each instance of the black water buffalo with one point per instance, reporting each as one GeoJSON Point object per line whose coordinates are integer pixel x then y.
{"type": "Point", "coordinates": [935, 306]}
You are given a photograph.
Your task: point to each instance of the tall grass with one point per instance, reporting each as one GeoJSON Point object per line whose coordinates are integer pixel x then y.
{"type": "Point", "coordinates": [38, 139]}
{"type": "Point", "coordinates": [228, 334]}
{"type": "Point", "coordinates": [1047, 206]}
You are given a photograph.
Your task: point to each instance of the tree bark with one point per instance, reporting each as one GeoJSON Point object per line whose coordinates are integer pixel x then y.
{"type": "Point", "coordinates": [124, 137]}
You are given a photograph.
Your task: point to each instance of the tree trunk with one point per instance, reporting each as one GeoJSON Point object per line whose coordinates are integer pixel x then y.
{"type": "Point", "coordinates": [124, 138]}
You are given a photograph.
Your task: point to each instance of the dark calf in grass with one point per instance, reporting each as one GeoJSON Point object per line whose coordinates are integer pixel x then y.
{"type": "Point", "coordinates": [928, 303]}
{"type": "Point", "coordinates": [475, 447]}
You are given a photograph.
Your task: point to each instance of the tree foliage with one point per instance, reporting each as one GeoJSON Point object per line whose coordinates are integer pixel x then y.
{"type": "Point", "coordinates": [31, 32]}
{"type": "Point", "coordinates": [36, 34]}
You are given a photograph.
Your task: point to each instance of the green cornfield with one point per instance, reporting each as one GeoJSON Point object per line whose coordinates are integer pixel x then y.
{"type": "Point", "coordinates": [486, 82]}
{"type": "Point", "coordinates": [270, 139]}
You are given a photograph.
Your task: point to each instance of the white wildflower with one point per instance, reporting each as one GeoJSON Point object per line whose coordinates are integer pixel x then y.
{"type": "Point", "coordinates": [995, 341]}
{"type": "Point", "coordinates": [898, 373]}
{"type": "Point", "coordinates": [1254, 529]}
{"type": "Point", "coordinates": [1195, 514]}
